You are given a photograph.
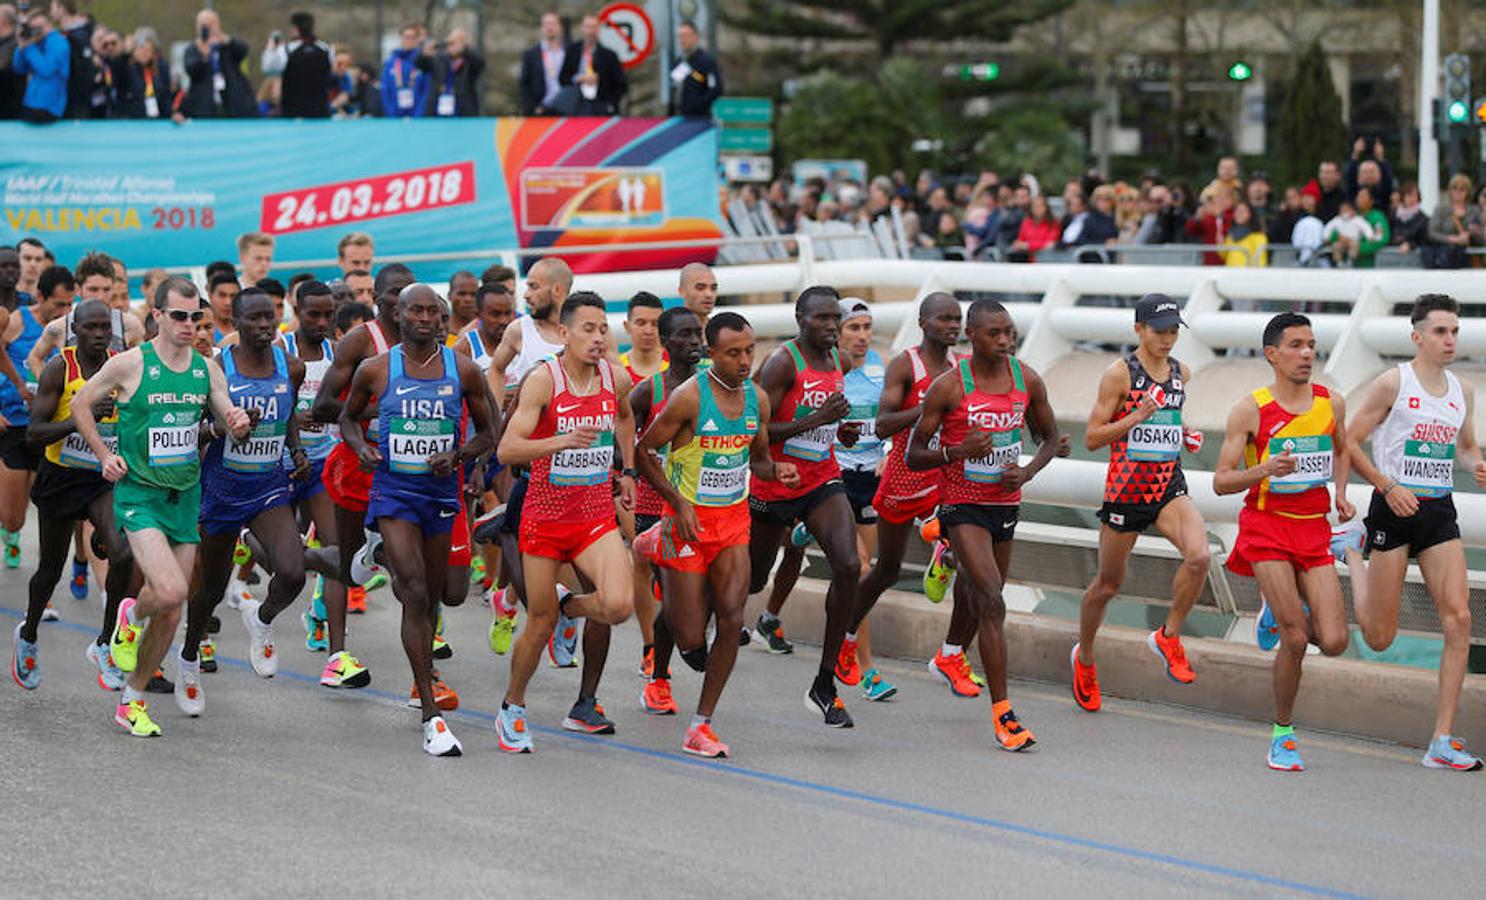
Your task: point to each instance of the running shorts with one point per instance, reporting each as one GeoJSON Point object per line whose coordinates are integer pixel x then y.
{"type": "Point", "coordinates": [140, 507]}
{"type": "Point", "coordinates": [999, 520]}
{"type": "Point", "coordinates": [15, 452]}
{"type": "Point", "coordinates": [861, 487]}
{"type": "Point", "coordinates": [718, 528]}
{"type": "Point", "coordinates": [345, 481]}
{"type": "Point", "coordinates": [313, 483]}
{"type": "Point", "coordinates": [1133, 518]}
{"type": "Point", "coordinates": [433, 515]}
{"type": "Point", "coordinates": [225, 512]}
{"type": "Point", "coordinates": [62, 492]}
{"type": "Point", "coordinates": [902, 510]}
{"type": "Point", "coordinates": [1433, 524]}
{"type": "Point", "coordinates": [1266, 537]}
{"type": "Point", "coordinates": [563, 541]}
{"type": "Point", "coordinates": [795, 509]}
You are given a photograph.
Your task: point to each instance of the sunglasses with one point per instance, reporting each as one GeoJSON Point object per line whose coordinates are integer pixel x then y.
{"type": "Point", "coordinates": [181, 315]}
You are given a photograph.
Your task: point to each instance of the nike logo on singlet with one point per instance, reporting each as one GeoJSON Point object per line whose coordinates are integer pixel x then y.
{"type": "Point", "coordinates": [567, 409]}
{"type": "Point", "coordinates": [406, 390]}
{"type": "Point", "coordinates": [237, 388]}
{"type": "Point", "coordinates": [977, 407]}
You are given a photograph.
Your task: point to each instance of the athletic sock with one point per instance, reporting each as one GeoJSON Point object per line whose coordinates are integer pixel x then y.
{"type": "Point", "coordinates": [700, 719]}
{"type": "Point", "coordinates": [1282, 731]}
{"type": "Point", "coordinates": [949, 650]}
{"type": "Point", "coordinates": [130, 694]}
{"type": "Point", "coordinates": [851, 636]}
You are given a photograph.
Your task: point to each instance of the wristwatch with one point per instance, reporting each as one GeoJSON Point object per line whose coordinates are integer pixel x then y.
{"type": "Point", "coordinates": [629, 473]}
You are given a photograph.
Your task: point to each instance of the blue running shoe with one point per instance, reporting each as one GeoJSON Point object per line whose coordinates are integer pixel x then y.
{"type": "Point", "coordinates": [510, 729]}
{"type": "Point", "coordinates": [1446, 752]}
{"type": "Point", "coordinates": [109, 676]}
{"type": "Point", "coordinates": [562, 647]}
{"type": "Point", "coordinates": [79, 583]}
{"type": "Point", "coordinates": [1266, 629]}
{"type": "Point", "coordinates": [317, 600]}
{"type": "Point", "coordinates": [1284, 755]}
{"type": "Point", "coordinates": [315, 638]}
{"type": "Point", "coordinates": [587, 717]}
{"type": "Point", "coordinates": [23, 666]}
{"type": "Point", "coordinates": [875, 687]}
{"type": "Point", "coordinates": [800, 536]}
{"type": "Point", "coordinates": [1351, 536]}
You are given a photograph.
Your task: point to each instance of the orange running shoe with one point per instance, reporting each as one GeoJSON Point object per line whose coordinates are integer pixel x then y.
{"type": "Point", "coordinates": [443, 695]}
{"type": "Point", "coordinates": [647, 663]}
{"type": "Point", "coordinates": [656, 698]}
{"type": "Point", "coordinates": [953, 673]}
{"type": "Point", "coordinates": [356, 600]}
{"type": "Point", "coordinates": [1173, 654]}
{"type": "Point", "coordinates": [1010, 734]}
{"type": "Point", "coordinates": [1085, 683]}
{"type": "Point", "coordinates": [929, 530]}
{"type": "Point", "coordinates": [848, 670]}
{"type": "Point", "coordinates": [701, 740]}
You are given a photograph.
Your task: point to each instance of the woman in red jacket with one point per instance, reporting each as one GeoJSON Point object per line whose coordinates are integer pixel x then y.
{"type": "Point", "coordinates": [1039, 231]}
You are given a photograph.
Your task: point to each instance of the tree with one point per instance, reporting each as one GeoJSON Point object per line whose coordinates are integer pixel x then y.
{"type": "Point", "coordinates": [1311, 126]}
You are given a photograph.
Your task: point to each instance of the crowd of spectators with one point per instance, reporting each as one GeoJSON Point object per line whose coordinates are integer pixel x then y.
{"type": "Point", "coordinates": [57, 63]}
{"type": "Point", "coordinates": [1346, 216]}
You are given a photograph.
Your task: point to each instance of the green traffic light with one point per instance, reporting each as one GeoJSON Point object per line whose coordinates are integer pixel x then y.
{"type": "Point", "coordinates": [1458, 112]}
{"type": "Point", "coordinates": [1240, 71]}
{"type": "Point", "coordinates": [980, 72]}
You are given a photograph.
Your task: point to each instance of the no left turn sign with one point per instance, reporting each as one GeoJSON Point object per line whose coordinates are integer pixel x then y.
{"type": "Point", "coordinates": [627, 30]}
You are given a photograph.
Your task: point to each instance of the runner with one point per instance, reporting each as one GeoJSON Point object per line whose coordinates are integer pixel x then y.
{"type": "Point", "coordinates": [1422, 422]}
{"type": "Point", "coordinates": [245, 484]}
{"type": "Point", "coordinates": [1283, 537]}
{"type": "Point", "coordinates": [701, 545]}
{"type": "Point", "coordinates": [69, 489]}
{"type": "Point", "coordinates": [571, 414]}
{"type": "Point", "coordinates": [420, 388]}
{"type": "Point", "coordinates": [95, 281]}
{"type": "Point", "coordinates": [803, 381]}
{"type": "Point", "coordinates": [983, 403]}
{"type": "Point", "coordinates": [463, 304]}
{"type": "Point", "coordinates": [681, 334]}
{"type": "Point", "coordinates": [646, 354]}
{"type": "Point", "coordinates": [698, 289]}
{"type": "Point", "coordinates": [1138, 414]}
{"type": "Point", "coordinates": [162, 389]}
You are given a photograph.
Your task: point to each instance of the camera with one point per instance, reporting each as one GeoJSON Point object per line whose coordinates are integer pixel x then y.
{"type": "Point", "coordinates": [27, 32]}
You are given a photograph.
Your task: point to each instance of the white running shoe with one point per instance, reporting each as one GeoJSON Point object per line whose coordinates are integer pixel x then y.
{"type": "Point", "coordinates": [438, 740]}
{"type": "Point", "coordinates": [363, 565]}
{"type": "Point", "coordinates": [50, 615]}
{"type": "Point", "coordinates": [188, 694]}
{"type": "Point", "coordinates": [237, 593]}
{"type": "Point", "coordinates": [260, 641]}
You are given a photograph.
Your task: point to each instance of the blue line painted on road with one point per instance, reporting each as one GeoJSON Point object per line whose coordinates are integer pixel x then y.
{"type": "Point", "coordinates": [827, 790]}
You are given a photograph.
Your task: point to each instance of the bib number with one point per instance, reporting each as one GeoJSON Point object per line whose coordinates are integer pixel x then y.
{"type": "Point", "coordinates": [1312, 463]}
{"type": "Point", "coordinates": [78, 453]}
{"type": "Point", "coordinates": [261, 452]}
{"type": "Point", "coordinates": [1428, 468]}
{"type": "Point", "coordinates": [1157, 439]}
{"type": "Point", "coordinates": [813, 445]}
{"type": "Point", "coordinates": [405, 98]}
{"type": "Point", "coordinates": [723, 479]}
{"type": "Point", "coordinates": [1006, 451]}
{"type": "Point", "coordinates": [172, 444]}
{"type": "Point", "coordinates": [410, 443]}
{"type": "Point", "coordinates": [584, 465]}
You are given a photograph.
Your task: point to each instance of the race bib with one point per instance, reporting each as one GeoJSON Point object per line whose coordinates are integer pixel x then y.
{"type": "Point", "coordinates": [1312, 463]}
{"type": "Point", "coordinates": [410, 442]}
{"type": "Point", "coordinates": [813, 445]}
{"type": "Point", "coordinates": [1006, 451]}
{"type": "Point", "coordinates": [866, 416]}
{"type": "Point", "coordinates": [584, 465]}
{"type": "Point", "coordinates": [1428, 468]}
{"type": "Point", "coordinates": [446, 105]}
{"type": "Point", "coordinates": [723, 480]}
{"type": "Point", "coordinates": [78, 453]}
{"type": "Point", "coordinates": [260, 452]}
{"type": "Point", "coordinates": [172, 439]}
{"type": "Point", "coordinates": [1157, 439]}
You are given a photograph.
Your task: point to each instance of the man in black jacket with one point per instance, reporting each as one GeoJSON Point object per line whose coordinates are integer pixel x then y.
{"type": "Point", "coordinates": [696, 80]}
{"type": "Point", "coordinates": [214, 63]}
{"type": "Point", "coordinates": [78, 29]}
{"type": "Point", "coordinates": [11, 84]}
{"type": "Point", "coordinates": [307, 74]}
{"type": "Point", "coordinates": [454, 77]}
{"type": "Point", "coordinates": [540, 66]}
{"type": "Point", "coordinates": [596, 71]}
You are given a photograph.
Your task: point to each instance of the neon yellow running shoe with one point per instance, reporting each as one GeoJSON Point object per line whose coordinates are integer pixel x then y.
{"type": "Point", "coordinates": [965, 661]}
{"type": "Point", "coordinates": [441, 648]}
{"type": "Point", "coordinates": [344, 671]}
{"type": "Point", "coordinates": [377, 580]}
{"type": "Point", "coordinates": [241, 555]}
{"type": "Point", "coordinates": [477, 568]}
{"type": "Point", "coordinates": [133, 718]}
{"type": "Point", "coordinates": [939, 575]}
{"type": "Point", "coordinates": [124, 646]}
{"type": "Point", "coordinates": [502, 627]}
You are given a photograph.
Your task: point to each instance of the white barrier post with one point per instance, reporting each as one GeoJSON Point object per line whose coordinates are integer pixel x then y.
{"type": "Point", "coordinates": [1353, 362]}
{"type": "Point", "coordinates": [1044, 345]}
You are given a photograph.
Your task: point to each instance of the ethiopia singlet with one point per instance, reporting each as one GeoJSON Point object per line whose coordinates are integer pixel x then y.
{"type": "Point", "coordinates": [72, 451]}
{"type": "Point", "coordinates": [811, 452]}
{"type": "Point", "coordinates": [159, 422]}
{"type": "Point", "coordinates": [574, 485]}
{"type": "Point", "coordinates": [417, 418]}
{"type": "Point", "coordinates": [1304, 493]}
{"type": "Point", "coordinates": [317, 438]}
{"type": "Point", "coordinates": [713, 468]}
{"type": "Point", "coordinates": [1145, 463]}
{"type": "Point", "coordinates": [863, 389]}
{"type": "Point", "coordinates": [898, 481]}
{"type": "Point", "coordinates": [1415, 444]}
{"type": "Point", "coordinates": [254, 466]}
{"type": "Point", "coordinates": [647, 501]}
{"type": "Point", "coordinates": [978, 481]}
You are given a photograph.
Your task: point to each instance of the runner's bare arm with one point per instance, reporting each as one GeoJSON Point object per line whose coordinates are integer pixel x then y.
{"type": "Point", "coordinates": [42, 430]}
{"type": "Point", "coordinates": [517, 446]}
{"type": "Point", "coordinates": [121, 373]}
{"type": "Point", "coordinates": [1341, 467]}
{"type": "Point", "coordinates": [775, 378]}
{"type": "Point", "coordinates": [944, 395]}
{"type": "Point", "coordinates": [624, 419]}
{"type": "Point", "coordinates": [348, 354]}
{"type": "Point", "coordinates": [505, 353]}
{"type": "Point", "coordinates": [1376, 404]}
{"type": "Point", "coordinates": [896, 383]}
{"type": "Point", "coordinates": [1114, 387]}
{"type": "Point", "coordinates": [482, 412]}
{"type": "Point", "coordinates": [13, 327]}
{"type": "Point", "coordinates": [50, 340]}
{"type": "Point", "coordinates": [297, 454]}
{"type": "Point", "coordinates": [1231, 477]}
{"type": "Point", "coordinates": [233, 418]}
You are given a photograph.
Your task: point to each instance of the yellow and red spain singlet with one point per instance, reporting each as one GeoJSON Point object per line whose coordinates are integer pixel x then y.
{"type": "Point", "coordinates": [1304, 493]}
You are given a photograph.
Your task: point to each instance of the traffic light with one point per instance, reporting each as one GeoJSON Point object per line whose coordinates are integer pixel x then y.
{"type": "Point", "coordinates": [1240, 71]}
{"type": "Point", "coordinates": [1481, 110]}
{"type": "Point", "coordinates": [1456, 106]}
{"type": "Point", "coordinates": [987, 71]}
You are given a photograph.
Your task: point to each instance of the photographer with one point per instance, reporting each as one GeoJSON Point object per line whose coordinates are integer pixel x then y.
{"type": "Point", "coordinates": [453, 76]}
{"type": "Point", "coordinates": [44, 55]}
{"type": "Point", "coordinates": [214, 63]}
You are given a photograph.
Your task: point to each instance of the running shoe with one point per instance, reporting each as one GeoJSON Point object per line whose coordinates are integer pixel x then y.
{"type": "Point", "coordinates": [443, 695]}
{"type": "Point", "coordinates": [1085, 683]}
{"type": "Point", "coordinates": [356, 600]}
{"type": "Point", "coordinates": [562, 646]}
{"type": "Point", "coordinates": [771, 632]}
{"type": "Point", "coordinates": [702, 741]}
{"type": "Point", "coordinates": [159, 684]}
{"type": "Point", "coordinates": [875, 687]}
{"type": "Point", "coordinates": [317, 600]}
{"type": "Point", "coordinates": [656, 698]}
{"type": "Point", "coordinates": [940, 574]}
{"type": "Point", "coordinates": [1266, 629]}
{"type": "Point", "coordinates": [848, 669]}
{"type": "Point", "coordinates": [12, 550]}
{"type": "Point", "coordinates": [260, 641]}
{"type": "Point", "coordinates": [800, 536]}
{"type": "Point", "coordinates": [438, 740]}
{"type": "Point", "coordinates": [441, 648]}
{"type": "Point", "coordinates": [378, 580]}
{"type": "Point", "coordinates": [955, 673]}
{"type": "Point", "coordinates": [486, 528]}
{"type": "Point", "coordinates": [79, 582]}
{"type": "Point", "coordinates": [587, 716]}
{"type": "Point", "coordinates": [50, 614]}
{"type": "Point", "coordinates": [829, 707]}
{"type": "Point", "coordinates": [23, 668]}
{"type": "Point", "coordinates": [510, 729]}
{"type": "Point", "coordinates": [124, 645]}
{"type": "Point", "coordinates": [237, 593]}
{"type": "Point", "coordinates": [1446, 752]}
{"type": "Point", "coordinates": [647, 663]}
{"type": "Point", "coordinates": [362, 565]}
{"type": "Point", "coordinates": [206, 654]}
{"type": "Point", "coordinates": [1350, 536]}
{"type": "Point", "coordinates": [188, 693]}
{"type": "Point", "coordinates": [133, 718]}
{"type": "Point", "coordinates": [343, 670]}
{"type": "Point", "coordinates": [928, 529]}
{"type": "Point", "coordinates": [241, 555]}
{"type": "Point", "coordinates": [109, 676]}
{"type": "Point", "coordinates": [315, 638]}
{"type": "Point", "coordinates": [502, 625]}
{"type": "Point", "coordinates": [1010, 733]}
{"type": "Point", "coordinates": [477, 569]}
{"type": "Point", "coordinates": [974, 676]}
{"type": "Point", "coordinates": [745, 637]}
{"type": "Point", "coordinates": [1171, 652]}
{"type": "Point", "coordinates": [1284, 754]}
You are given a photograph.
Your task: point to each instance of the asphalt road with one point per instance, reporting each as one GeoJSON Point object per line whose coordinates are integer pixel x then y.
{"type": "Point", "coordinates": [287, 788]}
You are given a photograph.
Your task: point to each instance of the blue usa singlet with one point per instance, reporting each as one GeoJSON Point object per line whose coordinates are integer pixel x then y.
{"type": "Point", "coordinates": [418, 418]}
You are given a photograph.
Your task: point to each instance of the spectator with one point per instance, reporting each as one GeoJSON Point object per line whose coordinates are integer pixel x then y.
{"type": "Point", "coordinates": [1331, 191]}
{"type": "Point", "coordinates": [596, 72]}
{"type": "Point", "coordinates": [366, 91]}
{"type": "Point", "coordinates": [1227, 177]}
{"type": "Point", "coordinates": [982, 220]}
{"type": "Point", "coordinates": [454, 77]}
{"type": "Point", "coordinates": [1368, 170]}
{"type": "Point", "coordinates": [1475, 220]}
{"type": "Point", "coordinates": [11, 84]}
{"type": "Point", "coordinates": [344, 97]}
{"type": "Point", "coordinates": [1214, 218]}
{"type": "Point", "coordinates": [541, 65]}
{"type": "Point", "coordinates": [254, 256]}
{"type": "Point", "coordinates": [696, 80]}
{"type": "Point", "coordinates": [1308, 236]}
{"type": "Point", "coordinates": [1012, 216]}
{"type": "Point", "coordinates": [78, 30]}
{"type": "Point", "coordinates": [1257, 193]}
{"type": "Point", "coordinates": [1246, 235]}
{"type": "Point", "coordinates": [1038, 231]}
{"type": "Point", "coordinates": [1282, 221]}
{"type": "Point", "coordinates": [107, 47]}
{"type": "Point", "coordinates": [1449, 233]}
{"type": "Point", "coordinates": [43, 55]}
{"type": "Point", "coordinates": [1377, 220]}
{"type": "Point", "coordinates": [1127, 213]}
{"type": "Point", "coordinates": [275, 57]}
{"type": "Point", "coordinates": [1408, 226]}
{"type": "Point", "coordinates": [270, 96]}
{"type": "Point", "coordinates": [1095, 225]}
{"type": "Point", "coordinates": [947, 238]}
{"type": "Point", "coordinates": [1346, 233]}
{"type": "Point", "coordinates": [214, 63]}
{"type": "Point", "coordinates": [307, 80]}
{"type": "Point", "coordinates": [144, 89]}
{"type": "Point", "coordinates": [404, 85]}
{"type": "Point", "coordinates": [1164, 221]}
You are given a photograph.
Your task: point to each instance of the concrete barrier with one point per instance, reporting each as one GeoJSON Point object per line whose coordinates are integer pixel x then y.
{"type": "Point", "coordinates": [1367, 699]}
